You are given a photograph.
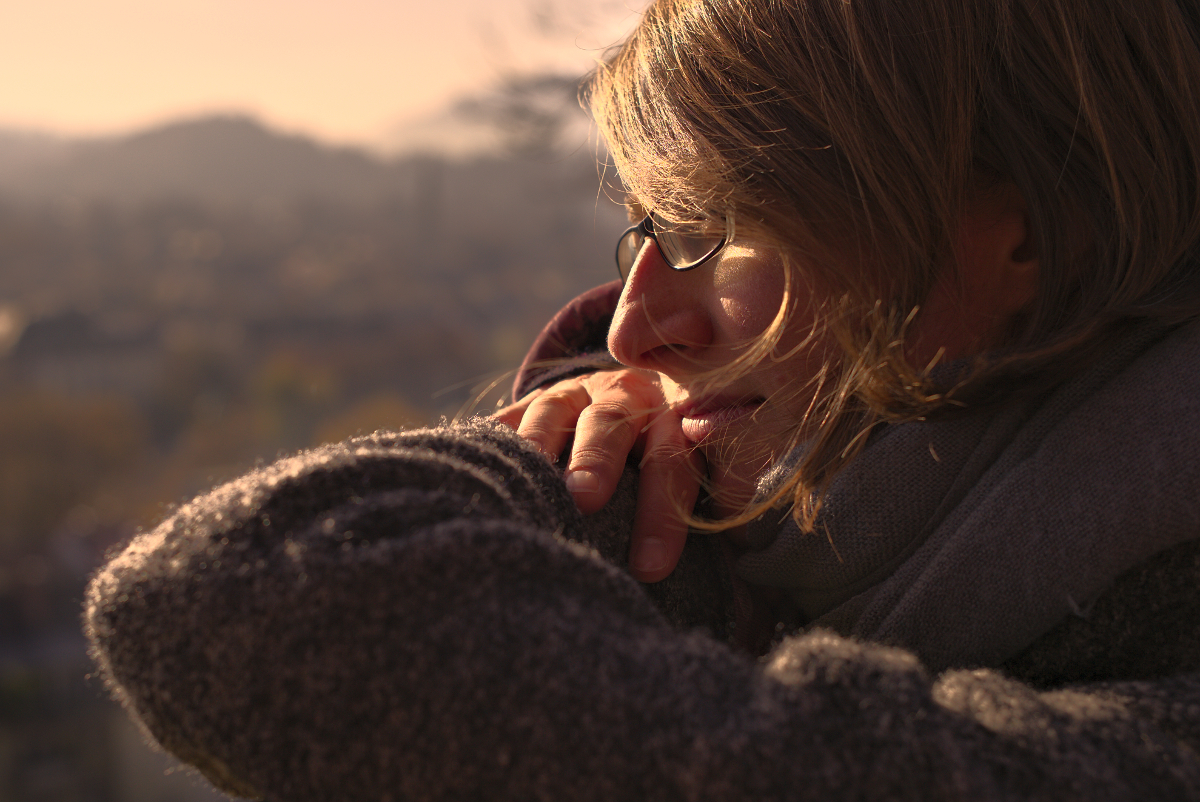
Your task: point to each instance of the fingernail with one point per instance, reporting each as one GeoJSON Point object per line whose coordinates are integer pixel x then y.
{"type": "Point", "coordinates": [582, 482]}
{"type": "Point", "coordinates": [649, 555]}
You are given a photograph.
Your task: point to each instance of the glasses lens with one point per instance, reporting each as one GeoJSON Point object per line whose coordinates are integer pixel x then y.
{"type": "Point", "coordinates": [685, 247]}
{"type": "Point", "coordinates": [628, 248]}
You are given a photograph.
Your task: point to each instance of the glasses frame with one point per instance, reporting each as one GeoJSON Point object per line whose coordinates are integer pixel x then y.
{"type": "Point", "coordinates": [646, 230]}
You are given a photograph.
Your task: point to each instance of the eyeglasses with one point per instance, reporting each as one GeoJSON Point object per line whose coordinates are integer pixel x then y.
{"type": "Point", "coordinates": [681, 248]}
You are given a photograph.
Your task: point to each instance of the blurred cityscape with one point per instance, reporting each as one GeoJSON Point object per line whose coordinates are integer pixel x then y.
{"type": "Point", "coordinates": [178, 304]}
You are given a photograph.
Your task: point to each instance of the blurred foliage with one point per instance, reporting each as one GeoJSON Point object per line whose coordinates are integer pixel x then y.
{"type": "Point", "coordinates": [383, 411]}
{"type": "Point", "coordinates": [533, 114]}
{"type": "Point", "coordinates": [118, 458]}
{"type": "Point", "coordinates": [57, 452]}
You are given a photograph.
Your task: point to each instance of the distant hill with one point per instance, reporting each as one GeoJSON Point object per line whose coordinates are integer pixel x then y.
{"type": "Point", "coordinates": [220, 160]}
{"type": "Point", "coordinates": [21, 150]}
{"type": "Point", "coordinates": [233, 160]}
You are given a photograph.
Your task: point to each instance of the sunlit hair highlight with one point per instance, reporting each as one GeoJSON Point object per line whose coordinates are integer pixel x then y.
{"type": "Point", "coordinates": [850, 134]}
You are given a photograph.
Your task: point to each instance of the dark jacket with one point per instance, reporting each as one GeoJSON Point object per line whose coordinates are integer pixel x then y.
{"type": "Point", "coordinates": [426, 615]}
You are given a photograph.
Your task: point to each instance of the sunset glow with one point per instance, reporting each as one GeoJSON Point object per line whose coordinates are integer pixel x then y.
{"type": "Point", "coordinates": [346, 71]}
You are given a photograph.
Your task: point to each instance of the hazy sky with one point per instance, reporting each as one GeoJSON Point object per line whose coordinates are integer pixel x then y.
{"type": "Point", "coordinates": [344, 70]}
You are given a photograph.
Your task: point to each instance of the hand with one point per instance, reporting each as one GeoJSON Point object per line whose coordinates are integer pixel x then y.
{"type": "Point", "coordinates": [613, 414]}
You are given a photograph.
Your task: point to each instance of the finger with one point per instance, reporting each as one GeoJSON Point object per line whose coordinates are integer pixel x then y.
{"type": "Point", "coordinates": [605, 434]}
{"type": "Point", "coordinates": [669, 484]}
{"type": "Point", "coordinates": [549, 419]}
{"type": "Point", "coordinates": [511, 415]}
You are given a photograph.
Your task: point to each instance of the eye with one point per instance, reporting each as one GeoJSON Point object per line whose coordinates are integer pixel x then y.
{"type": "Point", "coordinates": [687, 245]}
{"type": "Point", "coordinates": [708, 229]}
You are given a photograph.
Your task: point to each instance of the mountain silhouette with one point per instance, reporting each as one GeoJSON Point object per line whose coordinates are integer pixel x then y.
{"type": "Point", "coordinates": [227, 160]}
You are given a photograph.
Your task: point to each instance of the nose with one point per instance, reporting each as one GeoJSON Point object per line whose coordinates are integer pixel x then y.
{"type": "Point", "coordinates": [661, 322]}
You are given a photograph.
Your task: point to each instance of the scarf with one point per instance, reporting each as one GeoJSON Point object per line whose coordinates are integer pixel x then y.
{"type": "Point", "coordinates": [965, 539]}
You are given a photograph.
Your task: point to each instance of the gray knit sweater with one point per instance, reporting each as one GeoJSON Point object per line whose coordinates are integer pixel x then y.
{"type": "Point", "coordinates": [425, 615]}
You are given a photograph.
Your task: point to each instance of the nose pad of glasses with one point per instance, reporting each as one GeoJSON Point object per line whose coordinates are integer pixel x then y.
{"type": "Point", "coordinates": [629, 248]}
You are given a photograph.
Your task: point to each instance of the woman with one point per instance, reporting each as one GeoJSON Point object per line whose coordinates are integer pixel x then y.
{"type": "Point", "coordinates": [929, 346]}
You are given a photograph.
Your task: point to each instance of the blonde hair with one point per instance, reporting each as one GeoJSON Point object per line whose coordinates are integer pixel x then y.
{"type": "Point", "coordinates": [851, 132]}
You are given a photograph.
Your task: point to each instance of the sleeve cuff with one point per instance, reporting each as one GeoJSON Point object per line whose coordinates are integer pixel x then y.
{"type": "Point", "coordinates": [575, 341]}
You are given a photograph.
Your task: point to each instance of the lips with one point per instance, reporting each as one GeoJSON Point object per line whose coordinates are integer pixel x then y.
{"type": "Point", "coordinates": [700, 421]}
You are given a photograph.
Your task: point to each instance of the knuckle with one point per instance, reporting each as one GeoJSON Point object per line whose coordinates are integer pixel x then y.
{"type": "Point", "coordinates": [545, 436]}
{"type": "Point", "coordinates": [555, 401]}
{"type": "Point", "coordinates": [551, 412]}
{"type": "Point", "coordinates": [612, 421]}
{"type": "Point", "coordinates": [532, 430]}
{"type": "Point", "coordinates": [610, 409]}
{"type": "Point", "coordinates": [666, 454]}
{"type": "Point", "coordinates": [593, 458]}
{"type": "Point", "coordinates": [622, 381]}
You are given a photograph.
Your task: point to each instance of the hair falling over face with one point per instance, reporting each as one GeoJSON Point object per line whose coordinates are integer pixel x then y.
{"type": "Point", "coordinates": [851, 135]}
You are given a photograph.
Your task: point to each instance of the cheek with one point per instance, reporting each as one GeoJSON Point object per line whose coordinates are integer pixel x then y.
{"type": "Point", "coordinates": [749, 298]}
{"type": "Point", "coordinates": [745, 319]}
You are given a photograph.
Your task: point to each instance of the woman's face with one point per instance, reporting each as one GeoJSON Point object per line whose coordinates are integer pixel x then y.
{"type": "Point", "coordinates": [688, 325]}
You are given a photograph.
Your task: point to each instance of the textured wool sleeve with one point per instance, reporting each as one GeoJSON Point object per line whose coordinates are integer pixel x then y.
{"type": "Point", "coordinates": [416, 616]}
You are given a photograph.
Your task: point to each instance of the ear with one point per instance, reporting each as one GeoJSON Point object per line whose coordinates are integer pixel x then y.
{"type": "Point", "coordinates": [994, 275]}
{"type": "Point", "coordinates": [996, 257]}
